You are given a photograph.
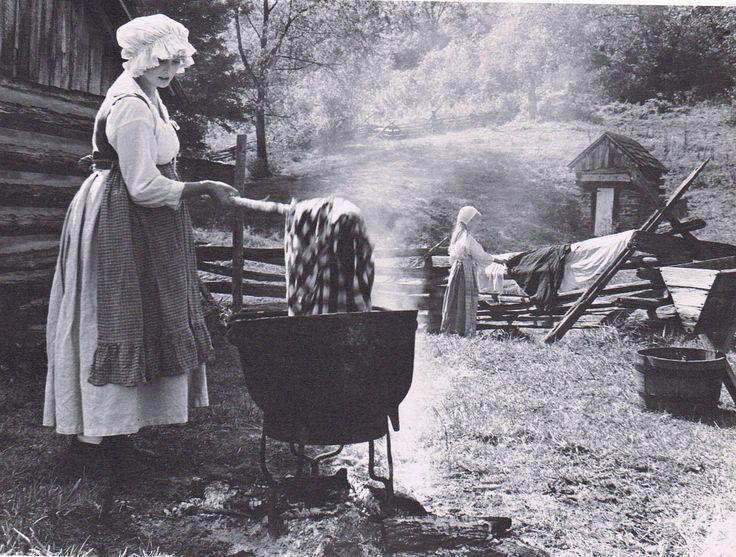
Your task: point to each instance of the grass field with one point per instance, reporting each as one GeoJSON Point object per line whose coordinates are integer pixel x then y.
{"type": "Point", "coordinates": [516, 174]}
{"type": "Point", "coordinates": [552, 436]}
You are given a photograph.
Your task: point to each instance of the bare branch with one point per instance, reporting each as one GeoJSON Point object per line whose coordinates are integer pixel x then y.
{"type": "Point", "coordinates": [247, 15]}
{"type": "Point", "coordinates": [241, 49]}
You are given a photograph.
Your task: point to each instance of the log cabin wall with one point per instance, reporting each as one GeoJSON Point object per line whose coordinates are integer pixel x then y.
{"type": "Point", "coordinates": [57, 60]}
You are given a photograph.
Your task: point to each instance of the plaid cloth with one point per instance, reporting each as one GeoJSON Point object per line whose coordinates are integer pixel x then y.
{"type": "Point", "coordinates": [460, 305]}
{"type": "Point", "coordinates": [149, 311]}
{"type": "Point", "coordinates": [329, 258]}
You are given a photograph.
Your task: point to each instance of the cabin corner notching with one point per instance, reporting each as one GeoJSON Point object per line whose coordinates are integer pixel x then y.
{"type": "Point", "coordinates": [619, 181]}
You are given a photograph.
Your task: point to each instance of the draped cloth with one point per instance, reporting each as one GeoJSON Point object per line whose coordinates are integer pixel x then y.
{"type": "Point", "coordinates": [329, 258]}
{"type": "Point", "coordinates": [539, 273]}
{"type": "Point", "coordinates": [150, 317]}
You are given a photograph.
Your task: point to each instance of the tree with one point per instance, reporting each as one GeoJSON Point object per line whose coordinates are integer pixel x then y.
{"type": "Point", "coordinates": [212, 86]}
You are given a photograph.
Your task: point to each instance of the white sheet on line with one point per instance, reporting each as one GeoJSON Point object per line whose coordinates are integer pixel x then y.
{"type": "Point", "coordinates": [582, 265]}
{"type": "Point", "coordinates": [588, 258]}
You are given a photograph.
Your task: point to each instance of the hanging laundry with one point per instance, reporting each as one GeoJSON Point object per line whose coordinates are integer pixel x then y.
{"type": "Point", "coordinates": [588, 258]}
{"type": "Point", "coordinates": [539, 273]}
{"type": "Point", "coordinates": [329, 258]}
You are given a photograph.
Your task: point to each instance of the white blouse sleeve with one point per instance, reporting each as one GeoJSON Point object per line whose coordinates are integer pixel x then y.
{"type": "Point", "coordinates": [130, 130]}
{"type": "Point", "coordinates": [476, 251]}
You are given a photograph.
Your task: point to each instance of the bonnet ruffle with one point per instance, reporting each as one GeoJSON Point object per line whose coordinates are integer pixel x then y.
{"type": "Point", "coordinates": [146, 40]}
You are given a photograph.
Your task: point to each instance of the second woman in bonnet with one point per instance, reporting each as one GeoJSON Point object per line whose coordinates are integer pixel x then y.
{"type": "Point", "coordinates": [468, 260]}
{"type": "Point", "coordinates": [126, 339]}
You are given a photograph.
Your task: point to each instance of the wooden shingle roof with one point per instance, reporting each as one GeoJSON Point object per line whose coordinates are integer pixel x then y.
{"type": "Point", "coordinates": [630, 147]}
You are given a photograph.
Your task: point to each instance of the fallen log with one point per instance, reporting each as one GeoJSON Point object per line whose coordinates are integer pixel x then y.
{"type": "Point", "coordinates": [431, 533]}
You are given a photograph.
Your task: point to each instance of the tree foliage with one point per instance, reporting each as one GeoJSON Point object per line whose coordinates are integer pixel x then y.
{"type": "Point", "coordinates": [308, 72]}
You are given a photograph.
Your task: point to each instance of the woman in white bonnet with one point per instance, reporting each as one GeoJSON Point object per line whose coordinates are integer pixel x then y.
{"type": "Point", "coordinates": [468, 258]}
{"type": "Point", "coordinates": [126, 340]}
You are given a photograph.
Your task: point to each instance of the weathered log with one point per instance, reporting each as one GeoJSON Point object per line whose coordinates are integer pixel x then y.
{"type": "Point", "coordinates": [30, 220]}
{"type": "Point", "coordinates": [28, 261]}
{"type": "Point", "coordinates": [43, 120]}
{"type": "Point", "coordinates": [249, 288]}
{"type": "Point", "coordinates": [638, 302]}
{"type": "Point", "coordinates": [669, 245]}
{"type": "Point", "coordinates": [688, 226]}
{"type": "Point", "coordinates": [433, 533]}
{"type": "Point", "coordinates": [62, 101]}
{"type": "Point", "coordinates": [19, 195]}
{"type": "Point", "coordinates": [41, 245]}
{"type": "Point", "coordinates": [227, 271]}
{"type": "Point", "coordinates": [19, 178]}
{"type": "Point", "coordinates": [207, 252]}
{"type": "Point", "coordinates": [19, 287]}
{"type": "Point", "coordinates": [408, 252]}
{"type": "Point", "coordinates": [41, 160]}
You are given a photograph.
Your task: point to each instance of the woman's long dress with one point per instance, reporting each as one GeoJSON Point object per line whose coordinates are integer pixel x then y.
{"type": "Point", "coordinates": [460, 305]}
{"type": "Point", "coordinates": [143, 136]}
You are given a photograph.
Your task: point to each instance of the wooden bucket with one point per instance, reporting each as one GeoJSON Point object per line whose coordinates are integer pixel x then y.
{"type": "Point", "coordinates": [682, 381]}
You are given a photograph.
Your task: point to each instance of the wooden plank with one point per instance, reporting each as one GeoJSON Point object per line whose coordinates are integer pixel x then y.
{"type": "Point", "coordinates": [247, 275]}
{"type": "Point", "coordinates": [21, 141]}
{"type": "Point", "coordinates": [22, 178]}
{"type": "Point", "coordinates": [96, 47]}
{"type": "Point", "coordinates": [16, 221]}
{"type": "Point", "coordinates": [35, 30]}
{"type": "Point", "coordinates": [45, 37]}
{"type": "Point", "coordinates": [65, 41]}
{"type": "Point", "coordinates": [42, 277]}
{"type": "Point", "coordinates": [688, 278]}
{"type": "Point", "coordinates": [717, 263]}
{"type": "Point", "coordinates": [208, 252]}
{"type": "Point", "coordinates": [27, 151]}
{"type": "Point", "coordinates": [41, 244]}
{"type": "Point", "coordinates": [241, 173]}
{"type": "Point", "coordinates": [382, 253]}
{"type": "Point", "coordinates": [690, 225]}
{"type": "Point", "coordinates": [603, 177]}
{"type": "Point", "coordinates": [73, 103]}
{"type": "Point", "coordinates": [19, 253]}
{"type": "Point", "coordinates": [600, 283]}
{"type": "Point", "coordinates": [23, 39]}
{"type": "Point", "coordinates": [35, 196]}
{"type": "Point", "coordinates": [7, 36]}
{"type": "Point", "coordinates": [249, 289]}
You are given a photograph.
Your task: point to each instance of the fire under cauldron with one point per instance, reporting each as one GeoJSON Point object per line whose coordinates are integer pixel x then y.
{"type": "Point", "coordinates": [330, 379]}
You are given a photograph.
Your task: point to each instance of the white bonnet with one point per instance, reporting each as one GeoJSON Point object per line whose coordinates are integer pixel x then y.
{"type": "Point", "coordinates": [147, 39]}
{"type": "Point", "coordinates": [466, 214]}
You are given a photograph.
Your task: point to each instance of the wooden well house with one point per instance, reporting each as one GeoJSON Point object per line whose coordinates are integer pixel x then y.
{"type": "Point", "coordinates": [619, 181]}
{"type": "Point", "coordinates": [57, 60]}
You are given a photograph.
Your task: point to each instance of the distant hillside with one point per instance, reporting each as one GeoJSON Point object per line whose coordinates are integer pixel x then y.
{"type": "Point", "coordinates": [515, 174]}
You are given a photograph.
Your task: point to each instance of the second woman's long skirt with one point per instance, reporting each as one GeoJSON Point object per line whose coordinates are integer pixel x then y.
{"type": "Point", "coordinates": [460, 306]}
{"type": "Point", "coordinates": [72, 404]}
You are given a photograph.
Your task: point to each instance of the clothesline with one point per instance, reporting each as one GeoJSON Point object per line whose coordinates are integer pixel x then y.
{"type": "Point", "coordinates": [582, 264]}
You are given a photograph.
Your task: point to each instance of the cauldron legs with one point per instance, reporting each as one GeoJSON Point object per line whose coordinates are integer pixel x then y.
{"type": "Point", "coordinates": [298, 451]}
{"type": "Point", "coordinates": [387, 482]}
{"type": "Point", "coordinates": [264, 467]}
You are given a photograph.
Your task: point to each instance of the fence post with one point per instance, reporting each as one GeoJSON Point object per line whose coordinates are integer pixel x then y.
{"type": "Point", "coordinates": [240, 174]}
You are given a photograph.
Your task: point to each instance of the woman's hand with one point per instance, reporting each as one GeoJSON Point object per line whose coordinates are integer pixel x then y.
{"type": "Point", "coordinates": [221, 192]}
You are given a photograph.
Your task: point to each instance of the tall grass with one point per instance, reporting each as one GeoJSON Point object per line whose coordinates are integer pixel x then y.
{"type": "Point", "coordinates": [556, 437]}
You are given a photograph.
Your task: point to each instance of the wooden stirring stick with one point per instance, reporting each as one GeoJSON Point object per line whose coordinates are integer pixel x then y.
{"type": "Point", "coordinates": [262, 206]}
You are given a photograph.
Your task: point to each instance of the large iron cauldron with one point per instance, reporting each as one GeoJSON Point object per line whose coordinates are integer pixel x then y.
{"type": "Point", "coordinates": [328, 379]}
